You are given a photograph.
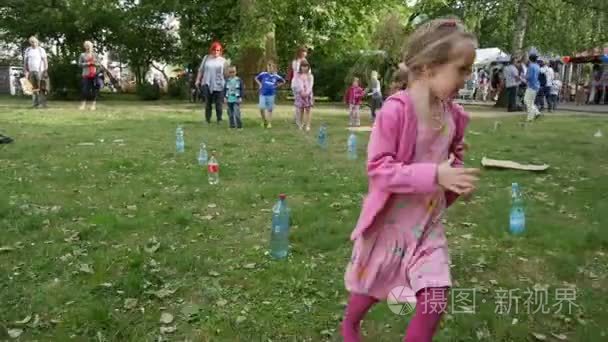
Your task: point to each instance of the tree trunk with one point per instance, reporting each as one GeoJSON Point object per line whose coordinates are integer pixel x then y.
{"type": "Point", "coordinates": [162, 71]}
{"type": "Point", "coordinates": [254, 58]}
{"type": "Point", "coordinates": [521, 26]}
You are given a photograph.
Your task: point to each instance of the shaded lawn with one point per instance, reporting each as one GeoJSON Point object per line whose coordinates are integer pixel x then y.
{"type": "Point", "coordinates": [78, 220]}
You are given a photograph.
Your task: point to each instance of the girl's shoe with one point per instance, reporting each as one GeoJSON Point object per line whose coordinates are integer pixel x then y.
{"type": "Point", "coordinates": [269, 125]}
{"type": "Point", "coordinates": [307, 128]}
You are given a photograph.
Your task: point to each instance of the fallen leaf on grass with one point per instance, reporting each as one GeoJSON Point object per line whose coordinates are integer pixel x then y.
{"type": "Point", "coordinates": [467, 236]}
{"type": "Point", "coordinates": [560, 337]}
{"type": "Point", "coordinates": [190, 312]}
{"type": "Point", "coordinates": [15, 333]}
{"type": "Point", "coordinates": [132, 207]}
{"type": "Point", "coordinates": [86, 268]}
{"type": "Point", "coordinates": [152, 246]}
{"type": "Point", "coordinates": [221, 302]}
{"type": "Point", "coordinates": [166, 318]}
{"type": "Point", "coordinates": [240, 319]}
{"type": "Point", "coordinates": [482, 333]}
{"type": "Point", "coordinates": [162, 293]}
{"type": "Point", "coordinates": [214, 274]}
{"type": "Point", "coordinates": [130, 303]}
{"type": "Point", "coordinates": [327, 332]}
{"type": "Point", "coordinates": [4, 249]}
{"type": "Point", "coordinates": [168, 330]}
{"type": "Point", "coordinates": [249, 266]}
{"type": "Point", "coordinates": [36, 322]}
{"type": "Point", "coordinates": [86, 144]}
{"type": "Point", "coordinates": [212, 205]}
{"type": "Point", "coordinates": [539, 337]}
{"type": "Point", "coordinates": [26, 320]}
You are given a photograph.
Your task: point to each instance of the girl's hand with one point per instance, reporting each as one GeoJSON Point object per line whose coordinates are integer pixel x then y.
{"type": "Point", "coordinates": [458, 180]}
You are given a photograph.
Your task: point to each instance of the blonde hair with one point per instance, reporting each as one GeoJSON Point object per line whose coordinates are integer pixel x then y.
{"type": "Point", "coordinates": [88, 45]}
{"type": "Point", "coordinates": [33, 39]}
{"type": "Point", "coordinates": [374, 74]}
{"type": "Point", "coordinates": [231, 68]}
{"type": "Point", "coordinates": [432, 44]}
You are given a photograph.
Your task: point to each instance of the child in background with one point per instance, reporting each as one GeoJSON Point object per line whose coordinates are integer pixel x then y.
{"type": "Point", "coordinates": [302, 85]}
{"type": "Point", "coordinates": [234, 91]}
{"type": "Point", "coordinates": [556, 88]}
{"type": "Point", "coordinates": [353, 98]}
{"type": "Point", "coordinates": [375, 91]}
{"type": "Point", "coordinates": [415, 171]}
{"type": "Point", "coordinates": [268, 81]}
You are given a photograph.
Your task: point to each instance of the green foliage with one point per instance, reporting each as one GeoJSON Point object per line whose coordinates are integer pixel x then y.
{"type": "Point", "coordinates": [554, 26]}
{"type": "Point", "coordinates": [178, 88]}
{"type": "Point", "coordinates": [148, 92]}
{"type": "Point", "coordinates": [252, 30]}
{"type": "Point", "coordinates": [65, 78]}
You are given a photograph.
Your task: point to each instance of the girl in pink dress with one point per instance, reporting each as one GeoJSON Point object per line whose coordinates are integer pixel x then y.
{"type": "Point", "coordinates": [415, 170]}
{"type": "Point", "coordinates": [303, 83]}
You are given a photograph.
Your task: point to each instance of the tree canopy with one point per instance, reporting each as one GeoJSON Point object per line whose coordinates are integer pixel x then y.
{"type": "Point", "coordinates": [140, 31]}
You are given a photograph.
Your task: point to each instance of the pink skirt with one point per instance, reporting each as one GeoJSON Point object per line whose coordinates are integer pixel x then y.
{"type": "Point", "coordinates": [304, 101]}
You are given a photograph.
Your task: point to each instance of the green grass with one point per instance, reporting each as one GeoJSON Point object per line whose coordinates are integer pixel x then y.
{"type": "Point", "coordinates": [64, 205]}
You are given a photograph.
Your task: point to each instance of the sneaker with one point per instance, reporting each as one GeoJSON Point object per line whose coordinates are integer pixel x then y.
{"type": "Point", "coordinates": [269, 125]}
{"type": "Point", "coordinates": [307, 128]}
{"type": "Point", "coordinates": [93, 108]}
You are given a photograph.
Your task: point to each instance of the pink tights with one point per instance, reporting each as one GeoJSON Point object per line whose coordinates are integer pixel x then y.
{"type": "Point", "coordinates": [430, 305]}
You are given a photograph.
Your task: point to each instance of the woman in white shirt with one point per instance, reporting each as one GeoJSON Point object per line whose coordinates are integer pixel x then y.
{"type": "Point", "coordinates": [375, 91]}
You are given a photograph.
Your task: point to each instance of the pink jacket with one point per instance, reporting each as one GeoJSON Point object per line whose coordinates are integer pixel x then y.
{"type": "Point", "coordinates": [391, 151]}
{"type": "Point", "coordinates": [354, 95]}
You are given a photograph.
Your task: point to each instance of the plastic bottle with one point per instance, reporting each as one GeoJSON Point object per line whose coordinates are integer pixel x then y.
{"type": "Point", "coordinates": [351, 146]}
{"type": "Point", "coordinates": [213, 170]}
{"type": "Point", "coordinates": [203, 156]}
{"type": "Point", "coordinates": [517, 217]}
{"type": "Point", "coordinates": [322, 138]}
{"type": "Point", "coordinates": [279, 235]}
{"type": "Point", "coordinates": [179, 139]}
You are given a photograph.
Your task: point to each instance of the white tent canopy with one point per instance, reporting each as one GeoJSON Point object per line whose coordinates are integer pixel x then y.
{"type": "Point", "coordinates": [489, 55]}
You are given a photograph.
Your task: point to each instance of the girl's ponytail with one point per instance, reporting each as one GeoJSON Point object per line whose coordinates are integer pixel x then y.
{"type": "Point", "coordinates": [400, 78]}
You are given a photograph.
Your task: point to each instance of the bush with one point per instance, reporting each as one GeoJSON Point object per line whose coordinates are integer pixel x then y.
{"type": "Point", "coordinates": [333, 75]}
{"type": "Point", "coordinates": [148, 92]}
{"type": "Point", "coordinates": [178, 88]}
{"type": "Point", "coordinates": [65, 78]}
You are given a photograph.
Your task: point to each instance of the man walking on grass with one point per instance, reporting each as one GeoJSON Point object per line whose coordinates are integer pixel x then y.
{"type": "Point", "coordinates": [36, 65]}
{"type": "Point", "coordinates": [533, 86]}
{"type": "Point", "coordinates": [512, 84]}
